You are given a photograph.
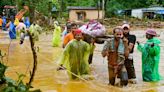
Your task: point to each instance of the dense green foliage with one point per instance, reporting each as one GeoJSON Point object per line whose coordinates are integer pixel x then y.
{"type": "Point", "coordinates": [45, 6]}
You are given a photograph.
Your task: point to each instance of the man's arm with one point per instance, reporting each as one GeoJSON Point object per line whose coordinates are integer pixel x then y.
{"type": "Point", "coordinates": [125, 41]}
{"type": "Point", "coordinates": [105, 49]}
{"type": "Point", "coordinates": [131, 46]}
{"type": "Point", "coordinates": [140, 47]}
{"type": "Point", "coordinates": [64, 59]}
{"type": "Point", "coordinates": [104, 53]}
{"type": "Point", "coordinates": [132, 42]}
{"type": "Point", "coordinates": [65, 56]}
{"type": "Point", "coordinates": [154, 49]}
{"type": "Point", "coordinates": [65, 41]}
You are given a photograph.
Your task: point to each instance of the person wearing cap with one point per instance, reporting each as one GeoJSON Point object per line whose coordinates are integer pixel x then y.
{"type": "Point", "coordinates": [70, 35]}
{"type": "Point", "coordinates": [129, 61]}
{"type": "Point", "coordinates": [116, 50]}
{"type": "Point", "coordinates": [20, 31]}
{"type": "Point", "coordinates": [75, 57]}
{"type": "Point", "coordinates": [150, 57]}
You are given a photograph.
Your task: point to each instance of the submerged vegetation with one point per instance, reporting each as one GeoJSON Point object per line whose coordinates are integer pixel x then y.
{"type": "Point", "coordinates": [9, 85]}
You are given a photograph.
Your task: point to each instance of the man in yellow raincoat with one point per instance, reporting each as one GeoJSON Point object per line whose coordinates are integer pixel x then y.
{"type": "Point", "coordinates": [56, 35]}
{"type": "Point", "coordinates": [75, 57]}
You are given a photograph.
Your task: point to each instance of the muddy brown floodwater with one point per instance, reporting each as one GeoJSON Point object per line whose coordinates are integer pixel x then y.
{"type": "Point", "coordinates": [19, 59]}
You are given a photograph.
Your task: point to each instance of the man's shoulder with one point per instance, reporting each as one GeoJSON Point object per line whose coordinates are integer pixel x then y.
{"type": "Point", "coordinates": [84, 42]}
{"type": "Point", "coordinates": [110, 40]}
{"type": "Point", "coordinates": [132, 35]}
{"type": "Point", "coordinates": [71, 42]}
{"type": "Point", "coordinates": [68, 35]}
{"type": "Point", "coordinates": [74, 41]}
{"type": "Point", "coordinates": [132, 38]}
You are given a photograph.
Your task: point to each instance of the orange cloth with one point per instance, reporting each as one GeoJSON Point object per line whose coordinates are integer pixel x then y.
{"type": "Point", "coordinates": [1, 21]}
{"type": "Point", "coordinates": [68, 38]}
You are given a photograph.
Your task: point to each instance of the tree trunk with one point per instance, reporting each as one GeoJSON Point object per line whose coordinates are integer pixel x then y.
{"type": "Point", "coordinates": [105, 5]}
{"type": "Point", "coordinates": [32, 13]}
{"type": "Point", "coordinates": [32, 74]}
{"type": "Point", "coordinates": [98, 6]}
{"type": "Point", "coordinates": [32, 7]}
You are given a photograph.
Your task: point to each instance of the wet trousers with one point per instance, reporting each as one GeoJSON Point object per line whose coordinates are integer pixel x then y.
{"type": "Point", "coordinates": [130, 68]}
{"type": "Point", "coordinates": [118, 71]}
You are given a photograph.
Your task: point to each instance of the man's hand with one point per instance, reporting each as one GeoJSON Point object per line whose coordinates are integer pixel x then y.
{"type": "Point", "coordinates": [92, 41]}
{"type": "Point", "coordinates": [104, 53]}
{"type": "Point", "coordinates": [125, 40]}
{"type": "Point", "coordinates": [61, 68]}
{"type": "Point", "coordinates": [152, 45]}
{"type": "Point", "coordinates": [21, 42]}
{"type": "Point", "coordinates": [138, 43]}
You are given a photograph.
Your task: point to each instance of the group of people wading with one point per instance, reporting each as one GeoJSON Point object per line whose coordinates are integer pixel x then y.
{"type": "Point", "coordinates": [78, 53]}
{"type": "Point", "coordinates": [119, 51]}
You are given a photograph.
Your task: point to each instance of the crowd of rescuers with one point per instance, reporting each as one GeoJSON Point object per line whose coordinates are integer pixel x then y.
{"type": "Point", "coordinates": [119, 51]}
{"type": "Point", "coordinates": [71, 28]}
